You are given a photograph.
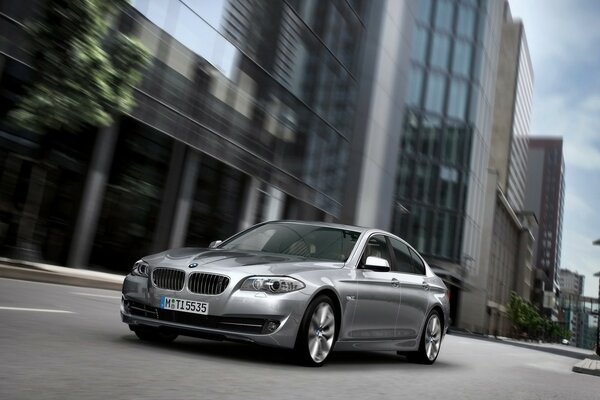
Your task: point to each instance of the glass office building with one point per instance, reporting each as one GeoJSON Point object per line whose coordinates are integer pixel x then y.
{"type": "Point", "coordinates": [245, 114]}
{"type": "Point", "coordinates": [445, 134]}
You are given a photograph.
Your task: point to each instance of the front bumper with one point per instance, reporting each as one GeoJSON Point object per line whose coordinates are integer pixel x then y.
{"type": "Point", "coordinates": [233, 315]}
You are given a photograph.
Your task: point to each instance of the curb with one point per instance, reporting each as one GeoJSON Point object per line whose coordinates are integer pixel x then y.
{"type": "Point", "coordinates": [36, 272]}
{"type": "Point", "coordinates": [588, 366]}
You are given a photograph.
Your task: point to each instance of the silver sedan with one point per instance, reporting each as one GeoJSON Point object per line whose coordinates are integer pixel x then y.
{"type": "Point", "coordinates": [304, 286]}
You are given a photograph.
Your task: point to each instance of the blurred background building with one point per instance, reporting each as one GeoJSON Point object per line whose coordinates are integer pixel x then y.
{"type": "Point", "coordinates": [577, 313]}
{"type": "Point", "coordinates": [507, 232]}
{"type": "Point", "coordinates": [246, 114]}
{"type": "Point", "coordinates": [445, 135]}
{"type": "Point", "coordinates": [410, 116]}
{"type": "Point", "coordinates": [545, 197]}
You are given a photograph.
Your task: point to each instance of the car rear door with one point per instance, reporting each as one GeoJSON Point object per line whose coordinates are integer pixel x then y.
{"type": "Point", "coordinates": [414, 291]}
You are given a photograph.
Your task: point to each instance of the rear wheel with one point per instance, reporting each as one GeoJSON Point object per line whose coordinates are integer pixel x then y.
{"type": "Point", "coordinates": [317, 333]}
{"type": "Point", "coordinates": [431, 340]}
{"type": "Point", "coordinates": [149, 334]}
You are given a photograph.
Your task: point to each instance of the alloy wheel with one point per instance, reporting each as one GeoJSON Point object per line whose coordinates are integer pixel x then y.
{"type": "Point", "coordinates": [433, 337]}
{"type": "Point", "coordinates": [321, 332]}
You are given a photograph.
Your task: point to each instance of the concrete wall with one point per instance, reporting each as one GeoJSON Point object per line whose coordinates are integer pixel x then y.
{"type": "Point", "coordinates": [375, 158]}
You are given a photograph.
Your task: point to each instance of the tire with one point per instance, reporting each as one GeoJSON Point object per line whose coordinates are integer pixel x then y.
{"type": "Point", "coordinates": [148, 334]}
{"type": "Point", "coordinates": [431, 340]}
{"type": "Point", "coordinates": [317, 333]}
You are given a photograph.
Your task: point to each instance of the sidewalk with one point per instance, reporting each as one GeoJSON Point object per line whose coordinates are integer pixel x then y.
{"type": "Point", "coordinates": [38, 272]}
{"type": "Point", "coordinates": [589, 362]}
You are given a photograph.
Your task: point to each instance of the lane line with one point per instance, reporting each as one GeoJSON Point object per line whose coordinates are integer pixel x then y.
{"type": "Point", "coordinates": [36, 310]}
{"type": "Point", "coordinates": [96, 295]}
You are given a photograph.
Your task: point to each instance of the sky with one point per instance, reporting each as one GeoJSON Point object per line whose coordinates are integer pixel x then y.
{"type": "Point", "coordinates": [564, 43]}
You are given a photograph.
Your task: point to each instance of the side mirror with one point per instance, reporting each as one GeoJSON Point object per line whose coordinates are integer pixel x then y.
{"type": "Point", "coordinates": [214, 244]}
{"type": "Point", "coordinates": [377, 264]}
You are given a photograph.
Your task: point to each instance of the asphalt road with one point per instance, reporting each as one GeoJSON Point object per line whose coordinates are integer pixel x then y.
{"type": "Point", "coordinates": [86, 352]}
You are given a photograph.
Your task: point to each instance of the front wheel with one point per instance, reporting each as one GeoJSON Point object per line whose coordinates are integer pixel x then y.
{"type": "Point", "coordinates": [317, 333]}
{"type": "Point", "coordinates": [431, 340]}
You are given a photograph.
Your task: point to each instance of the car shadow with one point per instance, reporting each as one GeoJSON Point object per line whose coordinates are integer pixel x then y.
{"type": "Point", "coordinates": [251, 353]}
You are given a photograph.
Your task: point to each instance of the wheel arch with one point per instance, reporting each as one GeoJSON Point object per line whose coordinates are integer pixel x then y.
{"type": "Point", "coordinates": [337, 305]}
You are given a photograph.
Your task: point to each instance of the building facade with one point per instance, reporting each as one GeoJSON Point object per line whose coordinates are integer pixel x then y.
{"type": "Point", "coordinates": [508, 233]}
{"type": "Point", "coordinates": [545, 196]}
{"type": "Point", "coordinates": [247, 113]}
{"type": "Point", "coordinates": [445, 134]}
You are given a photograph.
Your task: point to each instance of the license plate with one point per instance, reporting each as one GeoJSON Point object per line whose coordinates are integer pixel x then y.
{"type": "Point", "coordinates": [191, 306]}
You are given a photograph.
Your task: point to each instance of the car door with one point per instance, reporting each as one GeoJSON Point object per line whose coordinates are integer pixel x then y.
{"type": "Point", "coordinates": [378, 295]}
{"type": "Point", "coordinates": [414, 291]}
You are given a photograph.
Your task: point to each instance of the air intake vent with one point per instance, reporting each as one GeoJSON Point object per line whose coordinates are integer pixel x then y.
{"type": "Point", "coordinates": [167, 278]}
{"type": "Point", "coordinates": [207, 283]}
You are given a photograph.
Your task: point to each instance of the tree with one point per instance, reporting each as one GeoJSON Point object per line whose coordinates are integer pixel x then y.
{"type": "Point", "coordinates": [84, 75]}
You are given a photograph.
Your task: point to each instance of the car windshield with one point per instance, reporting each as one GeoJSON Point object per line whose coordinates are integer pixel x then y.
{"type": "Point", "coordinates": [309, 241]}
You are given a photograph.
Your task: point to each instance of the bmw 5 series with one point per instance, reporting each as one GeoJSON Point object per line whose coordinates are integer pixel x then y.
{"type": "Point", "coordinates": [310, 287]}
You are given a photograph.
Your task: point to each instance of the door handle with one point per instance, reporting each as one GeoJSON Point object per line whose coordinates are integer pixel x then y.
{"type": "Point", "coordinates": [395, 282]}
{"type": "Point", "coordinates": [425, 286]}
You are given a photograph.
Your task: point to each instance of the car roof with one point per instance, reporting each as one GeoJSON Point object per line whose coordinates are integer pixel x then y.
{"type": "Point", "coordinates": [324, 224]}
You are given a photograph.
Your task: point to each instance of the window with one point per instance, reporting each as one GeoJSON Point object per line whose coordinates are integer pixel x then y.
{"type": "Point", "coordinates": [443, 15]}
{"type": "Point", "coordinates": [419, 45]}
{"type": "Point", "coordinates": [301, 240]}
{"type": "Point", "coordinates": [440, 49]}
{"type": "Point", "coordinates": [436, 85]}
{"type": "Point", "coordinates": [461, 61]}
{"type": "Point", "coordinates": [402, 255]}
{"type": "Point", "coordinates": [417, 263]}
{"type": "Point", "coordinates": [466, 22]}
{"type": "Point", "coordinates": [377, 247]}
{"type": "Point", "coordinates": [414, 86]}
{"type": "Point", "coordinates": [457, 103]}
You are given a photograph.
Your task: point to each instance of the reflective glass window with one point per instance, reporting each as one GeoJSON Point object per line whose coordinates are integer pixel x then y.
{"type": "Point", "coordinates": [415, 84]}
{"type": "Point", "coordinates": [419, 45]}
{"type": "Point", "coordinates": [402, 257]}
{"type": "Point", "coordinates": [424, 10]}
{"type": "Point", "coordinates": [457, 102]}
{"type": "Point", "coordinates": [466, 22]}
{"type": "Point", "coordinates": [430, 137]}
{"type": "Point", "coordinates": [461, 60]}
{"type": "Point", "coordinates": [417, 263]}
{"type": "Point", "coordinates": [436, 86]}
{"type": "Point", "coordinates": [440, 48]}
{"type": "Point", "coordinates": [443, 15]}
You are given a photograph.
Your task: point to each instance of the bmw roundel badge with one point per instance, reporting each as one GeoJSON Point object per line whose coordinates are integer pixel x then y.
{"type": "Point", "coordinates": [193, 265]}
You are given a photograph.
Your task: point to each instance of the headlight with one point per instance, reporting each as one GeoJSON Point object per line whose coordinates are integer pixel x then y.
{"type": "Point", "coordinates": [140, 268]}
{"type": "Point", "coordinates": [272, 284]}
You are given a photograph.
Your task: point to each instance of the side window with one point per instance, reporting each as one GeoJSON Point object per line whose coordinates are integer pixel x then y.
{"type": "Point", "coordinates": [403, 259]}
{"type": "Point", "coordinates": [377, 247]}
{"type": "Point", "coordinates": [418, 263]}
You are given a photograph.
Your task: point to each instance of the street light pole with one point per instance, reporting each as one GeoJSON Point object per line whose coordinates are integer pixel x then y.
{"type": "Point", "coordinates": [597, 243]}
{"type": "Point", "coordinates": [598, 318]}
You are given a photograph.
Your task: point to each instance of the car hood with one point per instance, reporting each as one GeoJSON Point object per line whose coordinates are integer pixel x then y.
{"type": "Point", "coordinates": [246, 261]}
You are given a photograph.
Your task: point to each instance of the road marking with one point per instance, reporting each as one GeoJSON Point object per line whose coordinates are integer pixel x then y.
{"type": "Point", "coordinates": [36, 310]}
{"type": "Point", "coordinates": [96, 295]}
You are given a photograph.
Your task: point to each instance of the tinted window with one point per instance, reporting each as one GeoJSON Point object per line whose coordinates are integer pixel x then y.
{"type": "Point", "coordinates": [317, 242]}
{"type": "Point", "coordinates": [377, 247]}
{"type": "Point", "coordinates": [402, 256]}
{"type": "Point", "coordinates": [417, 263]}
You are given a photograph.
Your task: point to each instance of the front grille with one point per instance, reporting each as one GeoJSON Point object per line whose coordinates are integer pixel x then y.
{"type": "Point", "coordinates": [202, 283]}
{"type": "Point", "coordinates": [167, 278]}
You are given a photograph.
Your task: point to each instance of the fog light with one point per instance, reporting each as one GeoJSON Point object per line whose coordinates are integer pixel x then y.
{"type": "Point", "coordinates": [270, 326]}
